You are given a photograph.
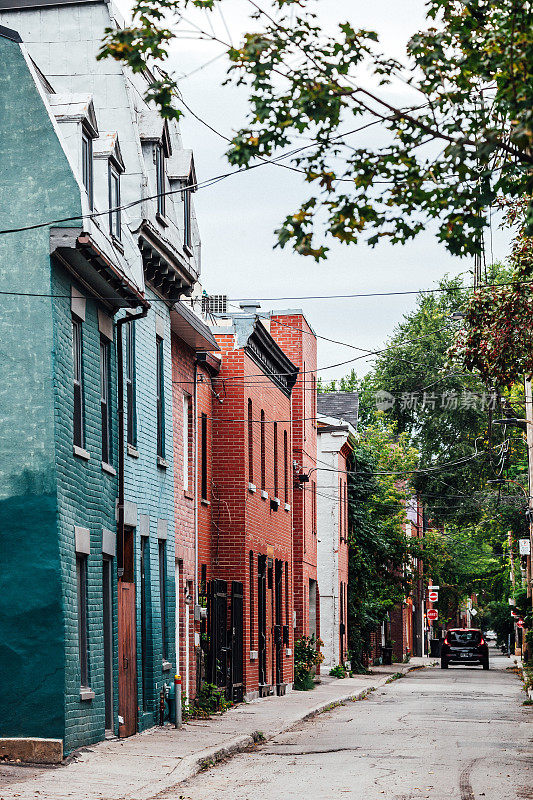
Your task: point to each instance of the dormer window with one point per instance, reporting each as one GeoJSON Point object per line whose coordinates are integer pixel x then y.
{"type": "Point", "coordinates": [87, 163]}
{"type": "Point", "coordinates": [160, 179]}
{"type": "Point", "coordinates": [187, 209]}
{"type": "Point", "coordinates": [115, 219]}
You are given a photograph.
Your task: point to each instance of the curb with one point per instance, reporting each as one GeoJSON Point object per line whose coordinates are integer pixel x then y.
{"type": "Point", "coordinates": [208, 758]}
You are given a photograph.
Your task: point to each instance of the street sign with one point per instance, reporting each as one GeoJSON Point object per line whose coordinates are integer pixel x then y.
{"type": "Point", "coordinates": [433, 597]}
{"type": "Point", "coordinates": [520, 623]}
{"type": "Point", "coordinates": [524, 546]}
{"type": "Point", "coordinates": [433, 588]}
{"type": "Point", "coordinates": [432, 614]}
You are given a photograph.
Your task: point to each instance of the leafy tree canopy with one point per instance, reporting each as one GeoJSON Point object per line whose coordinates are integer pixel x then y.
{"type": "Point", "coordinates": [378, 546]}
{"type": "Point", "coordinates": [447, 412]}
{"type": "Point", "coordinates": [463, 142]}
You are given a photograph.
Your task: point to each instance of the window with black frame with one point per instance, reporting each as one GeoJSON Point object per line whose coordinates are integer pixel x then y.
{"type": "Point", "coordinates": [77, 360]}
{"type": "Point", "coordinates": [87, 164]}
{"type": "Point", "coordinates": [115, 218]}
{"type": "Point", "coordinates": [187, 215]}
{"type": "Point", "coordinates": [105, 407]}
{"type": "Point", "coordinates": [204, 457]}
{"type": "Point", "coordinates": [83, 648]}
{"type": "Point", "coordinates": [160, 179]}
{"type": "Point", "coordinates": [160, 398]}
{"type": "Point", "coordinates": [131, 420]}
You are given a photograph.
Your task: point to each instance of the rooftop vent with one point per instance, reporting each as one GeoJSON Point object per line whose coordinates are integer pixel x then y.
{"type": "Point", "coordinates": [250, 306]}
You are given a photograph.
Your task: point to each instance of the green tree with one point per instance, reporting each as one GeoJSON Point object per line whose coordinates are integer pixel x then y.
{"type": "Point", "coordinates": [378, 545]}
{"type": "Point", "coordinates": [465, 140]}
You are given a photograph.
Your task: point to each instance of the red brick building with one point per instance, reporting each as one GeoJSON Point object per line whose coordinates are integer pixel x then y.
{"type": "Point", "coordinates": [192, 369]}
{"type": "Point", "coordinates": [250, 568]}
{"type": "Point", "coordinates": [297, 339]}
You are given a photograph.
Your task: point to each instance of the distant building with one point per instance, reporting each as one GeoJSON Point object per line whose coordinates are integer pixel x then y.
{"type": "Point", "coordinates": [335, 447]}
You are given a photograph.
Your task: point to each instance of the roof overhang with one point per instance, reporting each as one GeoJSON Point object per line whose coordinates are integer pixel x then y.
{"type": "Point", "coordinates": [271, 359]}
{"type": "Point", "coordinates": [162, 268]}
{"type": "Point", "coordinates": [190, 328]}
{"type": "Point", "coordinates": [77, 251]}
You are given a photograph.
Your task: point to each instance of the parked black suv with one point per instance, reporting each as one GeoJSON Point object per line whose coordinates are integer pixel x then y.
{"type": "Point", "coordinates": [464, 646]}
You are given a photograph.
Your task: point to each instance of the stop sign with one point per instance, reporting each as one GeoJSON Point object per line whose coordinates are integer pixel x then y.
{"type": "Point", "coordinates": [432, 614]}
{"type": "Point", "coordinates": [433, 596]}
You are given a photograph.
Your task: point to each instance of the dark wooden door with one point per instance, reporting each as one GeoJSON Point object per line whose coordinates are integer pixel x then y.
{"type": "Point", "coordinates": [237, 641]}
{"type": "Point", "coordinates": [218, 632]}
{"type": "Point", "coordinates": [127, 671]}
{"type": "Point", "coordinates": [261, 618]}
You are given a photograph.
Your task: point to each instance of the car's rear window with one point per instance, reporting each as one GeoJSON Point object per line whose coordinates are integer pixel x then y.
{"type": "Point", "coordinates": [464, 637]}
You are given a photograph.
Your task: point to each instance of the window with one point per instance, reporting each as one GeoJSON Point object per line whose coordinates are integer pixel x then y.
{"type": "Point", "coordinates": [115, 221]}
{"type": "Point", "coordinates": [250, 442]}
{"type": "Point", "coordinates": [286, 465]}
{"type": "Point", "coordinates": [252, 610]}
{"type": "Point", "coordinates": [77, 358]}
{"type": "Point", "coordinates": [188, 443]}
{"type": "Point", "coordinates": [276, 487]}
{"type": "Point", "coordinates": [131, 422]}
{"type": "Point", "coordinates": [345, 511]}
{"type": "Point", "coordinates": [87, 164]}
{"type": "Point", "coordinates": [187, 209]}
{"type": "Point", "coordinates": [313, 505]}
{"type": "Point", "coordinates": [160, 398]}
{"type": "Point", "coordinates": [160, 179]}
{"type": "Point", "coordinates": [162, 595]}
{"type": "Point", "coordinates": [204, 457]}
{"type": "Point", "coordinates": [104, 400]}
{"type": "Point", "coordinates": [83, 649]}
{"type": "Point", "coordinates": [263, 453]}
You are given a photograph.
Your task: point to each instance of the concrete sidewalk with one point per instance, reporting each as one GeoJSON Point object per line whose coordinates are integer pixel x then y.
{"type": "Point", "coordinates": [151, 763]}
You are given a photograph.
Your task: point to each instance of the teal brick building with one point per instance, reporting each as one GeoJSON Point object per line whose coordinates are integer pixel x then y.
{"type": "Point", "coordinates": [87, 620]}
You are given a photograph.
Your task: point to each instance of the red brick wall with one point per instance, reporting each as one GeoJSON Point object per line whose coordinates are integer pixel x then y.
{"type": "Point", "coordinates": [183, 385]}
{"type": "Point", "coordinates": [294, 335]}
{"type": "Point", "coordinates": [241, 520]}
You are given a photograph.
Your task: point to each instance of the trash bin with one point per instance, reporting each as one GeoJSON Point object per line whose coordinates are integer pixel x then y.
{"type": "Point", "coordinates": [435, 647]}
{"type": "Point", "coordinates": [386, 656]}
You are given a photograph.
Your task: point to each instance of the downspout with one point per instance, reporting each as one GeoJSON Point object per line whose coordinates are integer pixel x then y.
{"type": "Point", "coordinates": [120, 389]}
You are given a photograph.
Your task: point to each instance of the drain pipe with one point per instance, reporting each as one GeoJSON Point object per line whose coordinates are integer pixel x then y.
{"type": "Point", "coordinates": [120, 389]}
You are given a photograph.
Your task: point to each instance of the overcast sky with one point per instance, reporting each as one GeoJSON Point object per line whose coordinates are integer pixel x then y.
{"type": "Point", "coordinates": [238, 216]}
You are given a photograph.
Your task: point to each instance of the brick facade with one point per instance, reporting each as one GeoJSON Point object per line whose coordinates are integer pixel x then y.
{"type": "Point", "coordinates": [296, 338]}
{"type": "Point", "coordinates": [248, 522]}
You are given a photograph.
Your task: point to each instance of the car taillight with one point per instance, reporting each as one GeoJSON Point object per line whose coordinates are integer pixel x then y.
{"type": "Point", "coordinates": [482, 640]}
{"type": "Point", "coordinates": [446, 641]}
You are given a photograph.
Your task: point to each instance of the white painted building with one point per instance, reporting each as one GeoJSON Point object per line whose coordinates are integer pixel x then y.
{"type": "Point", "coordinates": [335, 446]}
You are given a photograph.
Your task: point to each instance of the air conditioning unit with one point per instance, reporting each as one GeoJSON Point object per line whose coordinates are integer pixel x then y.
{"type": "Point", "coordinates": [215, 304]}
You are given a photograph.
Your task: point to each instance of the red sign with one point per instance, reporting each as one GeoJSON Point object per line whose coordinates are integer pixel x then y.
{"type": "Point", "coordinates": [432, 614]}
{"type": "Point", "coordinates": [433, 597]}
{"type": "Point", "coordinates": [520, 623]}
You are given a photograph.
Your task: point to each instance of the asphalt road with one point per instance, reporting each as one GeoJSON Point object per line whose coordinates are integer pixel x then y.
{"type": "Point", "coordinates": [460, 734]}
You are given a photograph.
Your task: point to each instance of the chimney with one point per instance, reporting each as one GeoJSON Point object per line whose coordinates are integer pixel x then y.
{"type": "Point", "coordinates": [250, 307]}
